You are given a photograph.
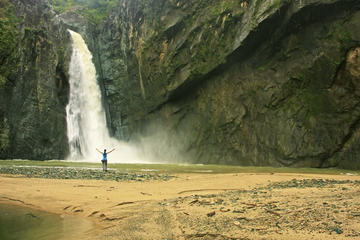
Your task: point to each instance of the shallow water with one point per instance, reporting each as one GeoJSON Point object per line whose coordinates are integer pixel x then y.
{"type": "Point", "coordinates": [26, 223]}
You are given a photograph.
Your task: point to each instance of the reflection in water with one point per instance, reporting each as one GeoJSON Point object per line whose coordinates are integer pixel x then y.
{"type": "Point", "coordinates": [25, 223]}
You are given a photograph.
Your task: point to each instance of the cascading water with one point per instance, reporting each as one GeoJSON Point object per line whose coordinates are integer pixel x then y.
{"type": "Point", "coordinates": [86, 120]}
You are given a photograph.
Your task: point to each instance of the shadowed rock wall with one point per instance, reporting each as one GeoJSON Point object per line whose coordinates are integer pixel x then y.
{"type": "Point", "coordinates": [247, 82]}
{"type": "Point", "coordinates": [236, 82]}
{"type": "Point", "coordinates": [34, 87]}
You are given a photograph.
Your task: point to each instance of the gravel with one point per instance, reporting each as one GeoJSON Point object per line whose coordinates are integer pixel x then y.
{"type": "Point", "coordinates": [82, 173]}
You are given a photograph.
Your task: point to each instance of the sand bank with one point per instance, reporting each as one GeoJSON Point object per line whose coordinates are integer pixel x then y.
{"type": "Point", "coordinates": [200, 206]}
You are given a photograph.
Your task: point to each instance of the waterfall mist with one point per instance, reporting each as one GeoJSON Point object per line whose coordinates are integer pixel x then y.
{"type": "Point", "coordinates": [86, 120]}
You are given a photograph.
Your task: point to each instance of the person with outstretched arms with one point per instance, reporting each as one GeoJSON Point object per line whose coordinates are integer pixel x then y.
{"type": "Point", "coordinates": [104, 160]}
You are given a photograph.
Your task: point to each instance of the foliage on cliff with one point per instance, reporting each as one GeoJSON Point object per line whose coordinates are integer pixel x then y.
{"type": "Point", "coordinates": [8, 40]}
{"type": "Point", "coordinates": [94, 10]}
{"type": "Point", "coordinates": [33, 81]}
{"type": "Point", "coordinates": [8, 36]}
{"type": "Point", "coordinates": [237, 82]}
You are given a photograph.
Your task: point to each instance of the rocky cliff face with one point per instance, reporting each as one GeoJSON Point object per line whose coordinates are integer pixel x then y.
{"type": "Point", "coordinates": [237, 82]}
{"type": "Point", "coordinates": [34, 53]}
{"type": "Point", "coordinates": [247, 82]}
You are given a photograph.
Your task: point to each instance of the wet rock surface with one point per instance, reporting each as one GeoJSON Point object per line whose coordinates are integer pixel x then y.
{"type": "Point", "coordinates": [223, 81]}
{"type": "Point", "coordinates": [81, 173]}
{"type": "Point", "coordinates": [34, 91]}
{"type": "Point", "coordinates": [236, 82]}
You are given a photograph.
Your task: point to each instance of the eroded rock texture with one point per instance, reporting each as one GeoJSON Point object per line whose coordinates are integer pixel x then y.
{"type": "Point", "coordinates": [237, 82]}
{"type": "Point", "coordinates": [249, 82]}
{"type": "Point", "coordinates": [33, 89]}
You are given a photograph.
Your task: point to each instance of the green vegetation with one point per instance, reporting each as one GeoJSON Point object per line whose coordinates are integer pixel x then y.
{"type": "Point", "coordinates": [8, 31]}
{"type": "Point", "coordinates": [263, 8]}
{"type": "Point", "coordinates": [193, 44]}
{"type": "Point", "coordinates": [317, 102]}
{"type": "Point", "coordinates": [339, 31]}
{"type": "Point", "coordinates": [2, 80]}
{"type": "Point", "coordinates": [8, 39]}
{"type": "Point", "coordinates": [211, 44]}
{"type": "Point", "coordinates": [4, 136]}
{"type": "Point", "coordinates": [177, 168]}
{"type": "Point", "coordinates": [94, 10]}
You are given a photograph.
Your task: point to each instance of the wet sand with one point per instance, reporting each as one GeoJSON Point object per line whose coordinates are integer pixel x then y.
{"type": "Point", "coordinates": [19, 222]}
{"type": "Point", "coordinates": [200, 206]}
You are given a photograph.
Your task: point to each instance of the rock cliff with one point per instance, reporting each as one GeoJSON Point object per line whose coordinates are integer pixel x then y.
{"type": "Point", "coordinates": [34, 53]}
{"type": "Point", "coordinates": [248, 82]}
{"type": "Point", "coordinates": [236, 82]}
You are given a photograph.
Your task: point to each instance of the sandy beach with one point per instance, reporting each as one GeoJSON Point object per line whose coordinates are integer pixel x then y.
{"type": "Point", "coordinates": [200, 205]}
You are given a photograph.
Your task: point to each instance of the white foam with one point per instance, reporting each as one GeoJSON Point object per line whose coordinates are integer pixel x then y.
{"type": "Point", "coordinates": [86, 120]}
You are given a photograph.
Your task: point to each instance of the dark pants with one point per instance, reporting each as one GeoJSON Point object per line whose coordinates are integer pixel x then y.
{"type": "Point", "coordinates": [104, 165]}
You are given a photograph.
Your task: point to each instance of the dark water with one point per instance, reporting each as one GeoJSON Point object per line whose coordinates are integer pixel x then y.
{"type": "Point", "coordinates": [25, 223]}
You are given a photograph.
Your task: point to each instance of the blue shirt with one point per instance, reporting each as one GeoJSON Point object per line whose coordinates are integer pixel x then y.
{"type": "Point", "coordinates": [104, 156]}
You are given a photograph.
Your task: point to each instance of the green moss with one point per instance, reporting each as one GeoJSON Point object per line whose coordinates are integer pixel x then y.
{"type": "Point", "coordinates": [339, 32]}
{"type": "Point", "coordinates": [309, 104]}
{"type": "Point", "coordinates": [258, 4]}
{"type": "Point", "coordinates": [94, 10]}
{"type": "Point", "coordinates": [209, 29]}
{"type": "Point", "coordinates": [270, 7]}
{"type": "Point", "coordinates": [4, 136]}
{"type": "Point", "coordinates": [275, 5]}
{"type": "Point", "coordinates": [8, 39]}
{"type": "Point", "coordinates": [317, 102]}
{"type": "Point", "coordinates": [220, 7]}
{"type": "Point", "coordinates": [251, 92]}
{"type": "Point", "coordinates": [268, 64]}
{"type": "Point", "coordinates": [309, 96]}
{"type": "Point", "coordinates": [2, 81]}
{"type": "Point", "coordinates": [216, 40]}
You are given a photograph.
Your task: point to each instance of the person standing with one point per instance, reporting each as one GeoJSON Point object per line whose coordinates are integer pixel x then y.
{"type": "Point", "coordinates": [104, 160]}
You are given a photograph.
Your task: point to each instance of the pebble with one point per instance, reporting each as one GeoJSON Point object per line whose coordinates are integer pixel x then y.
{"type": "Point", "coordinates": [210, 214]}
{"type": "Point", "coordinates": [236, 223]}
{"type": "Point", "coordinates": [323, 214]}
{"type": "Point", "coordinates": [307, 183]}
{"type": "Point", "coordinates": [337, 230]}
{"type": "Point", "coordinates": [75, 173]}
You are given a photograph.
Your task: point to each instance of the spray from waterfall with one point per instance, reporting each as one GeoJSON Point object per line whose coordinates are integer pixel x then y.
{"type": "Point", "coordinates": [86, 120]}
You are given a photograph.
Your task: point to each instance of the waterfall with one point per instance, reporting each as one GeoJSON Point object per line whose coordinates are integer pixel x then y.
{"type": "Point", "coordinates": [86, 120]}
